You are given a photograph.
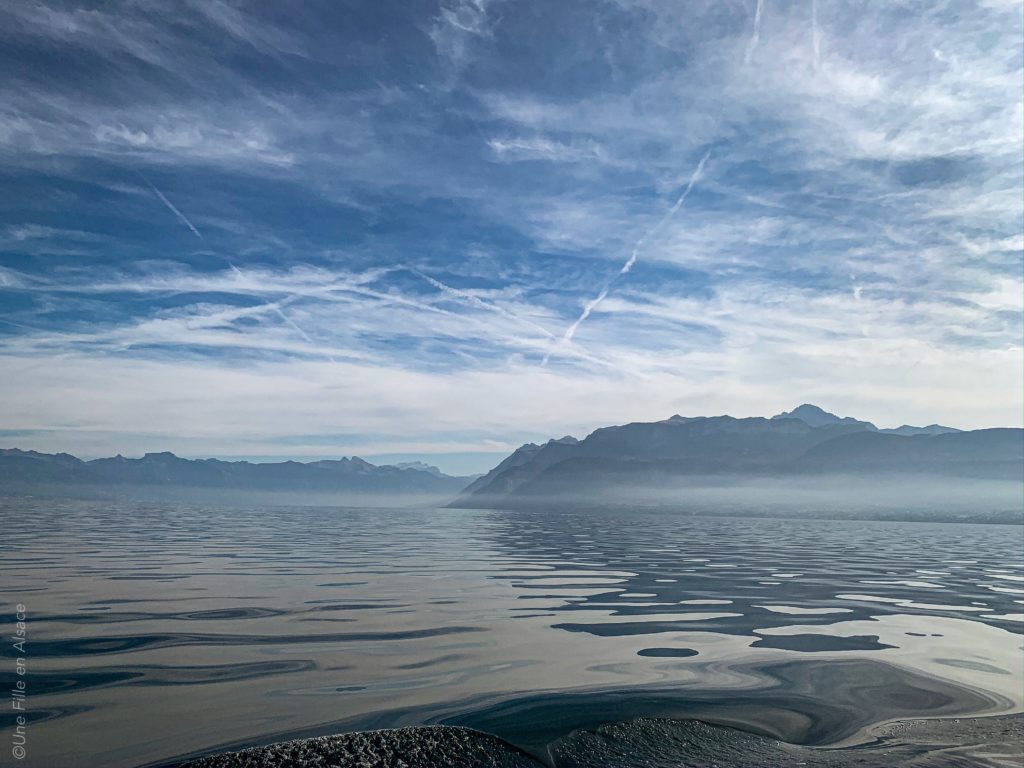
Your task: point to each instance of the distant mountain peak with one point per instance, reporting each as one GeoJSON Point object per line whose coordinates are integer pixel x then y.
{"type": "Point", "coordinates": [808, 411]}
{"type": "Point", "coordinates": [567, 440]}
{"type": "Point", "coordinates": [420, 466]}
{"type": "Point", "coordinates": [814, 416]}
{"type": "Point", "coordinates": [931, 429]}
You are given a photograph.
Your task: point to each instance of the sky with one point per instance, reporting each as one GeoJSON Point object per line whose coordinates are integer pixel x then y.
{"type": "Point", "coordinates": [439, 230]}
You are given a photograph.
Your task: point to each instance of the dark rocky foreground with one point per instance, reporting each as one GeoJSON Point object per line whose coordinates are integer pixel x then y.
{"type": "Point", "coordinates": [995, 742]}
{"type": "Point", "coordinates": [424, 747]}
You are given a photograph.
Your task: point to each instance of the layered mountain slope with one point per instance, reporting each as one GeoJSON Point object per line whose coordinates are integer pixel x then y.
{"type": "Point", "coordinates": [995, 453]}
{"type": "Point", "coordinates": [807, 441]}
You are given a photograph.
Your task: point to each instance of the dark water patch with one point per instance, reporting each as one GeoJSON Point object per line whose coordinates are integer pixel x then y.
{"type": "Point", "coordinates": [343, 584]}
{"type": "Point", "coordinates": [328, 619]}
{"type": "Point", "coordinates": [976, 666]}
{"type": "Point", "coordinates": [788, 706]}
{"type": "Point", "coordinates": [433, 662]}
{"type": "Point", "coordinates": [227, 614]}
{"type": "Point", "coordinates": [821, 643]}
{"type": "Point", "coordinates": [349, 606]}
{"type": "Point", "coordinates": [156, 599]}
{"type": "Point", "coordinates": [111, 617]}
{"type": "Point", "coordinates": [93, 646]}
{"type": "Point", "coordinates": [47, 683]}
{"type": "Point", "coordinates": [40, 715]}
{"type": "Point", "coordinates": [667, 653]}
{"type": "Point", "coordinates": [219, 673]}
{"type": "Point", "coordinates": [631, 628]}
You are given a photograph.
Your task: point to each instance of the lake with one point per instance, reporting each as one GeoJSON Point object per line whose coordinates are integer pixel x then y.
{"type": "Point", "coordinates": [157, 632]}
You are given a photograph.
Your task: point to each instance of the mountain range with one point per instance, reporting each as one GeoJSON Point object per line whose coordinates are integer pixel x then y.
{"type": "Point", "coordinates": [30, 469]}
{"type": "Point", "coordinates": [801, 444]}
{"type": "Point", "coordinates": [798, 448]}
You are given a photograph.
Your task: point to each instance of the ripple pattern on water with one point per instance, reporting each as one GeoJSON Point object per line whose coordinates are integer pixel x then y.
{"type": "Point", "coordinates": [242, 624]}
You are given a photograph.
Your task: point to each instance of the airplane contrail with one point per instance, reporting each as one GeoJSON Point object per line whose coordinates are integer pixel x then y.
{"type": "Point", "coordinates": [477, 301]}
{"type": "Point", "coordinates": [755, 37]}
{"type": "Point", "coordinates": [174, 210]}
{"type": "Point", "coordinates": [302, 333]}
{"type": "Point", "coordinates": [815, 33]}
{"type": "Point", "coordinates": [591, 305]}
{"type": "Point", "coordinates": [291, 323]}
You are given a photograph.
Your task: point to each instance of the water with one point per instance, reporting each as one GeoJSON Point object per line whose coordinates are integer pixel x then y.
{"type": "Point", "coordinates": [159, 631]}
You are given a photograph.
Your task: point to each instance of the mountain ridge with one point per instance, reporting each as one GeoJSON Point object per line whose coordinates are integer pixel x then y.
{"type": "Point", "coordinates": [805, 442]}
{"type": "Point", "coordinates": [792, 446]}
{"type": "Point", "coordinates": [166, 469]}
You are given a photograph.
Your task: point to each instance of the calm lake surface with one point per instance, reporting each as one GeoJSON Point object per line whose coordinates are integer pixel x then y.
{"type": "Point", "coordinates": [162, 631]}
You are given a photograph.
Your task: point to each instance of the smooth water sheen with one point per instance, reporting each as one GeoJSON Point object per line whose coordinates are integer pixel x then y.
{"type": "Point", "coordinates": [159, 631]}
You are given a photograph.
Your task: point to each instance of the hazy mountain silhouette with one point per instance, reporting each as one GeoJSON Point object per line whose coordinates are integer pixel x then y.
{"type": "Point", "coordinates": [422, 466]}
{"type": "Point", "coordinates": [814, 416]}
{"type": "Point", "coordinates": [21, 469]}
{"type": "Point", "coordinates": [817, 417]}
{"type": "Point", "coordinates": [806, 442]}
{"type": "Point", "coordinates": [805, 447]}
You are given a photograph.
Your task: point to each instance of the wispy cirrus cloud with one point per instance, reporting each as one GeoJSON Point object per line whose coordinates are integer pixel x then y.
{"type": "Point", "coordinates": [519, 148]}
{"type": "Point", "coordinates": [755, 35]}
{"type": "Point", "coordinates": [457, 26]}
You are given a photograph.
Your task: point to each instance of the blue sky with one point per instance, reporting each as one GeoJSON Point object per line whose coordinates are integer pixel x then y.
{"type": "Point", "coordinates": [443, 229]}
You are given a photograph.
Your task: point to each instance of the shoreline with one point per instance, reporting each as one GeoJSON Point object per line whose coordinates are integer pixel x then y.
{"type": "Point", "coordinates": [984, 741]}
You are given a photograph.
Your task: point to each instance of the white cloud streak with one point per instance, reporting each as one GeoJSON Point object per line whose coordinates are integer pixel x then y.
{"type": "Point", "coordinates": [815, 34]}
{"type": "Point", "coordinates": [478, 302]}
{"type": "Point", "coordinates": [755, 35]}
{"type": "Point", "coordinates": [633, 256]}
{"type": "Point", "coordinates": [181, 216]}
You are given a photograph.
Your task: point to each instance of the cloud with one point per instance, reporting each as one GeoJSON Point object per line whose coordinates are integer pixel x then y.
{"type": "Point", "coordinates": [424, 196]}
{"type": "Point", "coordinates": [815, 33]}
{"type": "Point", "coordinates": [478, 302]}
{"type": "Point", "coordinates": [539, 148]}
{"type": "Point", "coordinates": [456, 26]}
{"type": "Point", "coordinates": [755, 35]}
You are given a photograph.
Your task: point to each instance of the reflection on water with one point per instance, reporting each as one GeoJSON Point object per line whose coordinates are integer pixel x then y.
{"type": "Point", "coordinates": [158, 631]}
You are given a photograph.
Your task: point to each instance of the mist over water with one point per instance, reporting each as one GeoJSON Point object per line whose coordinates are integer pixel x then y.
{"type": "Point", "coordinates": [893, 496]}
{"type": "Point", "coordinates": [163, 630]}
